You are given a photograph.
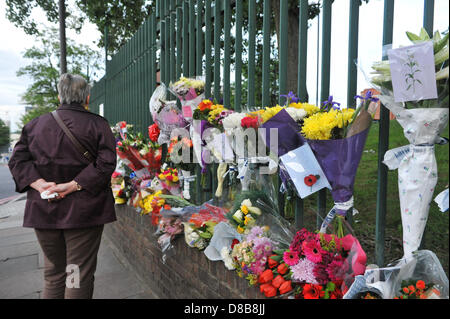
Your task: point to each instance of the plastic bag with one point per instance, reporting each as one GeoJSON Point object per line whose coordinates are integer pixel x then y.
{"type": "Point", "coordinates": [386, 282]}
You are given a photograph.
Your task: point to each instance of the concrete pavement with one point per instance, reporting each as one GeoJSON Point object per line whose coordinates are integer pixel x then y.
{"type": "Point", "coordinates": [21, 263]}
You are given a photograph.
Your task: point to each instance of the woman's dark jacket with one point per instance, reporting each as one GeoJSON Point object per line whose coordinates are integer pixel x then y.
{"type": "Point", "coordinates": [44, 151]}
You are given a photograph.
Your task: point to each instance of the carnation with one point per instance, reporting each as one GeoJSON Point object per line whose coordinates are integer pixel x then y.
{"type": "Point", "coordinates": [303, 271]}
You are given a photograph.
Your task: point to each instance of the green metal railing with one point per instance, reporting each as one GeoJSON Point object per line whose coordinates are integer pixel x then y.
{"type": "Point", "coordinates": [193, 37]}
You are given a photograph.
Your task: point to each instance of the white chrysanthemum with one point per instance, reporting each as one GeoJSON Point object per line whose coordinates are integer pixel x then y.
{"type": "Point", "coordinates": [233, 121]}
{"type": "Point", "coordinates": [296, 114]}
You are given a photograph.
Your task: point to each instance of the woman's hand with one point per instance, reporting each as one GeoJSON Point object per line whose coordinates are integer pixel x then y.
{"type": "Point", "coordinates": [42, 185]}
{"type": "Point", "coordinates": [63, 189]}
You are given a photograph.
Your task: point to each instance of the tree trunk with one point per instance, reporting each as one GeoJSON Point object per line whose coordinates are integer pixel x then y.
{"type": "Point", "coordinates": [292, 55]}
{"type": "Point", "coordinates": [62, 37]}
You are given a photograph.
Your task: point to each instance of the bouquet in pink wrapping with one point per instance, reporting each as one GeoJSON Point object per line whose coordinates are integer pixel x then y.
{"type": "Point", "coordinates": [322, 263]}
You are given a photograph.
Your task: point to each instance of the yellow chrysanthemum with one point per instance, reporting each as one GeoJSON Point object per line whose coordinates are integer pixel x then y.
{"type": "Point", "coordinates": [240, 230]}
{"type": "Point", "coordinates": [309, 108]}
{"type": "Point", "coordinates": [319, 125]}
{"type": "Point", "coordinates": [270, 112]}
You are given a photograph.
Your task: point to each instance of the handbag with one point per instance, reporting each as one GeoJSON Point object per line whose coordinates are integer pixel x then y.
{"type": "Point", "coordinates": [72, 138]}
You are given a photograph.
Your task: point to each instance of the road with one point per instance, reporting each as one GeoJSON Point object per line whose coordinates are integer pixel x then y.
{"type": "Point", "coordinates": [7, 187]}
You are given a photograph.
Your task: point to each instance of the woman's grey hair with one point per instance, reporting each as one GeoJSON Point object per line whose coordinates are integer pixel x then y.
{"type": "Point", "coordinates": [73, 89]}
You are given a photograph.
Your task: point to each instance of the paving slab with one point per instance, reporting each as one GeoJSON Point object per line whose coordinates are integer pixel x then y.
{"type": "Point", "coordinates": [22, 262]}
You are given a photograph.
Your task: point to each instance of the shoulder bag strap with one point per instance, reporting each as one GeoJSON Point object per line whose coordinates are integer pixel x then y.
{"type": "Point", "coordinates": [72, 138]}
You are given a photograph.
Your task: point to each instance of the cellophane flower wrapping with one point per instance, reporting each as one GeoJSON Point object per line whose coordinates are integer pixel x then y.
{"type": "Point", "coordinates": [423, 118]}
{"type": "Point", "coordinates": [169, 226]}
{"type": "Point", "coordinates": [199, 229]}
{"type": "Point", "coordinates": [166, 114]}
{"type": "Point", "coordinates": [386, 282]}
{"type": "Point", "coordinates": [126, 150]}
{"type": "Point", "coordinates": [190, 92]}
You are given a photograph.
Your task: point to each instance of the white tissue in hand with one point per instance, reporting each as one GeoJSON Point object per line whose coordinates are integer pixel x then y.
{"type": "Point", "coordinates": [47, 195]}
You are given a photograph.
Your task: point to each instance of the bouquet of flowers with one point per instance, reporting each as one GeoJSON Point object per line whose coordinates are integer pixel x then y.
{"type": "Point", "coordinates": [181, 154]}
{"type": "Point", "coordinates": [190, 92]}
{"type": "Point", "coordinates": [169, 179]}
{"type": "Point", "coordinates": [421, 108]}
{"type": "Point", "coordinates": [200, 228]}
{"type": "Point", "coordinates": [247, 208]}
{"type": "Point", "coordinates": [151, 205]}
{"type": "Point", "coordinates": [410, 277]}
{"type": "Point", "coordinates": [173, 214]}
{"type": "Point", "coordinates": [120, 188]}
{"type": "Point", "coordinates": [252, 254]}
{"type": "Point", "coordinates": [412, 289]}
{"type": "Point", "coordinates": [338, 148]}
{"type": "Point", "coordinates": [125, 149]}
{"type": "Point", "coordinates": [165, 114]}
{"type": "Point", "coordinates": [322, 265]}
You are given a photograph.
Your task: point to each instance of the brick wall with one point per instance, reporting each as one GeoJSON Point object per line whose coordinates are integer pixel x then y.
{"type": "Point", "coordinates": [187, 274]}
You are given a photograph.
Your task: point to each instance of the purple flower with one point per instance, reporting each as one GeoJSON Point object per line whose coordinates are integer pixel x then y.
{"type": "Point", "coordinates": [369, 97]}
{"type": "Point", "coordinates": [330, 103]}
{"type": "Point", "coordinates": [291, 97]}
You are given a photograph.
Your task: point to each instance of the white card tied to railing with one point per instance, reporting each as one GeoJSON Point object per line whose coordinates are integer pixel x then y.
{"type": "Point", "coordinates": [304, 171]}
{"type": "Point", "coordinates": [413, 72]}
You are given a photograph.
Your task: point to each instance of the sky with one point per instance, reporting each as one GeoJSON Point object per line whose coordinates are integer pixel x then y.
{"type": "Point", "coordinates": [408, 17]}
{"type": "Point", "coordinates": [14, 42]}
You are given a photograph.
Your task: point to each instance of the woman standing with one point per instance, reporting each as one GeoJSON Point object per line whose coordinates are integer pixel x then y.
{"type": "Point", "coordinates": [46, 158]}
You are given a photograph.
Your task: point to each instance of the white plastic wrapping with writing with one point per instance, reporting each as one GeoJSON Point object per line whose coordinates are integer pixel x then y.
{"type": "Point", "coordinates": [417, 167]}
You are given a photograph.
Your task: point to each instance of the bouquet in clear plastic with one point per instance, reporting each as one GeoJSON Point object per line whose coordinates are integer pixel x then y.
{"type": "Point", "coordinates": [181, 154]}
{"type": "Point", "coordinates": [419, 276]}
{"type": "Point", "coordinates": [190, 92]}
{"type": "Point", "coordinates": [414, 87]}
{"type": "Point", "coordinates": [126, 150]}
{"type": "Point", "coordinates": [199, 229]}
{"type": "Point", "coordinates": [166, 114]}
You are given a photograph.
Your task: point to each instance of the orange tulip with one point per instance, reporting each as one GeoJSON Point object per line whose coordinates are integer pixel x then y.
{"type": "Point", "coordinates": [272, 263]}
{"type": "Point", "coordinates": [282, 269]}
{"type": "Point", "coordinates": [270, 291]}
{"type": "Point", "coordinates": [278, 281]}
{"type": "Point", "coordinates": [266, 276]}
{"type": "Point", "coordinates": [285, 287]}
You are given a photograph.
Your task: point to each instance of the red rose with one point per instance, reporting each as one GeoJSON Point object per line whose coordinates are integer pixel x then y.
{"type": "Point", "coordinates": [282, 269]}
{"type": "Point", "coordinates": [266, 276]}
{"type": "Point", "coordinates": [270, 291]}
{"type": "Point", "coordinates": [278, 281]}
{"type": "Point", "coordinates": [285, 287]}
{"type": "Point", "coordinates": [272, 263]}
{"type": "Point", "coordinates": [234, 243]}
{"type": "Point", "coordinates": [310, 180]}
{"type": "Point", "coordinates": [153, 132]}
